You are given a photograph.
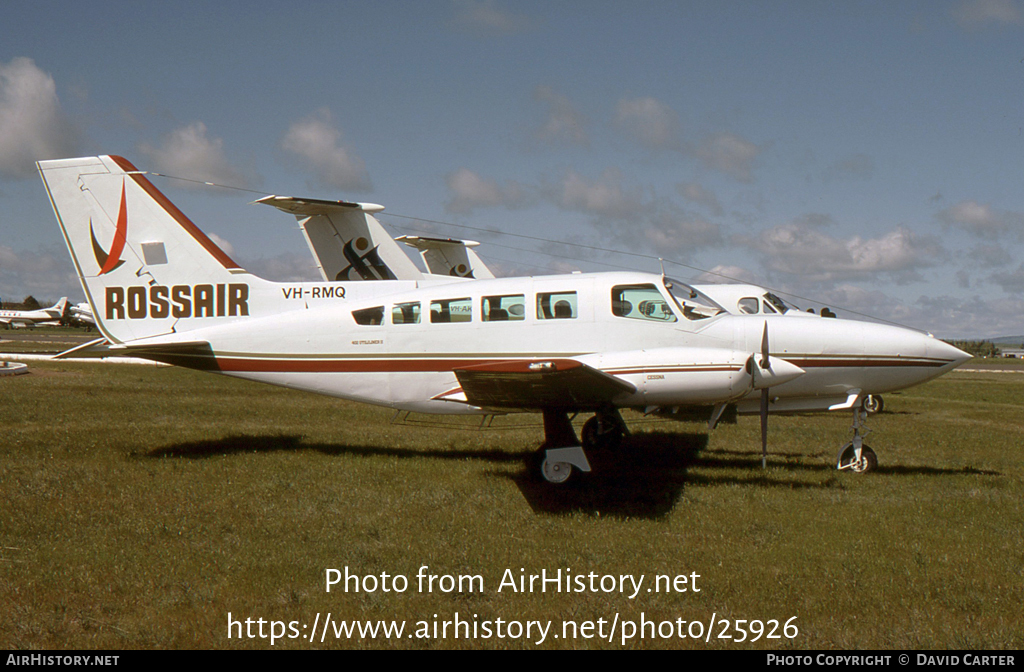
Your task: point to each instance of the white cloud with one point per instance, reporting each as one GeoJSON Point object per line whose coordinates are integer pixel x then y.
{"type": "Point", "coordinates": [982, 220]}
{"type": "Point", "coordinates": [315, 143]}
{"type": "Point", "coordinates": [563, 123]}
{"type": "Point", "coordinates": [649, 122]}
{"type": "Point", "coordinates": [223, 244]}
{"type": "Point", "coordinates": [470, 191]}
{"type": "Point", "coordinates": [695, 193]}
{"type": "Point", "coordinates": [977, 14]}
{"type": "Point", "coordinates": [190, 153]}
{"type": "Point", "coordinates": [486, 17]}
{"type": "Point", "coordinates": [727, 274]}
{"type": "Point", "coordinates": [806, 252]}
{"type": "Point", "coordinates": [604, 197]}
{"type": "Point", "coordinates": [637, 221]}
{"type": "Point", "coordinates": [730, 154]}
{"type": "Point", "coordinates": [32, 125]}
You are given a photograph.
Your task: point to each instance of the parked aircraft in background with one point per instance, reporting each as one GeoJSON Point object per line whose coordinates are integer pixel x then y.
{"type": "Point", "coordinates": [34, 318]}
{"type": "Point", "coordinates": [82, 312]}
{"type": "Point", "coordinates": [588, 342]}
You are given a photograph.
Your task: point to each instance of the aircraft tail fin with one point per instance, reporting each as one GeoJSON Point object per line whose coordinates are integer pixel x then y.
{"type": "Point", "coordinates": [61, 307]}
{"type": "Point", "coordinates": [346, 240]}
{"type": "Point", "coordinates": [448, 256]}
{"type": "Point", "coordinates": [145, 267]}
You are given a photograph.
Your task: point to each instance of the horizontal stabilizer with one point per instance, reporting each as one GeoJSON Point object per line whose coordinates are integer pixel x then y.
{"type": "Point", "coordinates": [193, 355]}
{"type": "Point", "coordinates": [559, 384]}
{"type": "Point", "coordinates": [316, 206]}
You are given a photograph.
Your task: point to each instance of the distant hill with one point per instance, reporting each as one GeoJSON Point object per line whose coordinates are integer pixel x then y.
{"type": "Point", "coordinates": [1008, 340]}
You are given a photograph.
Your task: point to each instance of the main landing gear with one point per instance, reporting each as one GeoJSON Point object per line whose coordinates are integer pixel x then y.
{"type": "Point", "coordinates": [856, 455]}
{"type": "Point", "coordinates": [561, 451]}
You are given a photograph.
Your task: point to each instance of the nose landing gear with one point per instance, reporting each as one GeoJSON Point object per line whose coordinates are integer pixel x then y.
{"type": "Point", "coordinates": [856, 456]}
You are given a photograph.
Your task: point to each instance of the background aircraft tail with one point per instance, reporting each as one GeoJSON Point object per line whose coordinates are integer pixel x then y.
{"type": "Point", "coordinates": [145, 267]}
{"type": "Point", "coordinates": [346, 240]}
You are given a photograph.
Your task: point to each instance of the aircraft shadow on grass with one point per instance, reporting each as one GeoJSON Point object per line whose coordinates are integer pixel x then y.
{"type": "Point", "coordinates": [643, 479]}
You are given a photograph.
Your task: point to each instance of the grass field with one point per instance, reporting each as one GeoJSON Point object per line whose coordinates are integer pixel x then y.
{"type": "Point", "coordinates": [140, 505]}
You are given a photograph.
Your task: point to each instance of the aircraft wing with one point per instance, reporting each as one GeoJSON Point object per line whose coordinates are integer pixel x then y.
{"type": "Point", "coordinates": [559, 384]}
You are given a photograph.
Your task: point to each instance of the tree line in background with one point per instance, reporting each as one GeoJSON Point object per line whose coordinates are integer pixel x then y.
{"type": "Point", "coordinates": [29, 303]}
{"type": "Point", "coordinates": [977, 348]}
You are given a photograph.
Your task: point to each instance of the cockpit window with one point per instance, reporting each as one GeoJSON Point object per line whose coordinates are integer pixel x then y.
{"type": "Point", "coordinates": [779, 304]}
{"type": "Point", "coordinates": [695, 305]}
{"type": "Point", "coordinates": [641, 302]}
{"type": "Point", "coordinates": [749, 305]}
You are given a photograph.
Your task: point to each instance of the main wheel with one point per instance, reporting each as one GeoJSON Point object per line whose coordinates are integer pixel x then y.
{"type": "Point", "coordinates": [601, 433]}
{"type": "Point", "coordinates": [868, 460]}
{"type": "Point", "coordinates": [555, 472]}
{"type": "Point", "coordinates": [873, 403]}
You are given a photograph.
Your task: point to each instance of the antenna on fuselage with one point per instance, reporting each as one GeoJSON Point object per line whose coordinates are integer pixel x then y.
{"type": "Point", "coordinates": [662, 262]}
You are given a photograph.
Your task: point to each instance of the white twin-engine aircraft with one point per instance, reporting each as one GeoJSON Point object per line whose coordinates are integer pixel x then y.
{"type": "Point", "coordinates": [585, 342]}
{"type": "Point", "coordinates": [35, 318]}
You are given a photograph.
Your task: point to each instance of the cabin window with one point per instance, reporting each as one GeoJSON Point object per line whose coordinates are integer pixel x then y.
{"type": "Point", "coordinates": [749, 305]}
{"type": "Point", "coordinates": [451, 310]}
{"type": "Point", "coordinates": [640, 302]}
{"type": "Point", "coordinates": [510, 308]}
{"type": "Point", "coordinates": [406, 313]}
{"type": "Point", "coordinates": [369, 316]}
{"type": "Point", "coordinates": [556, 306]}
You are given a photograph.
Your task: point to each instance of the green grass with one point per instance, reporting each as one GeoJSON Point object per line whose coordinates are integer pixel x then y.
{"type": "Point", "coordinates": [142, 504]}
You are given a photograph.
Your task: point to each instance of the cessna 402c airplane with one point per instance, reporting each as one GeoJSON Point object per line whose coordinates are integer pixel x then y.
{"type": "Point", "coordinates": [160, 289]}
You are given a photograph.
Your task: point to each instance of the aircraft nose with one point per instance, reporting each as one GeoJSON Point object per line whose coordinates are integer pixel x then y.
{"type": "Point", "coordinates": [942, 350]}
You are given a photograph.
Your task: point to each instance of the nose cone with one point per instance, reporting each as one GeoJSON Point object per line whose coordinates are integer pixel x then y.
{"type": "Point", "coordinates": [778, 371]}
{"type": "Point", "coordinates": [941, 350]}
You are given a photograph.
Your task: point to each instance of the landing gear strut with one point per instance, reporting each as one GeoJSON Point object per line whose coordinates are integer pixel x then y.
{"type": "Point", "coordinates": [856, 455]}
{"type": "Point", "coordinates": [561, 454]}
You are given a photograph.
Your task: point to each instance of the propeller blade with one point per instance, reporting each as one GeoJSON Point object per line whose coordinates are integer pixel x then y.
{"type": "Point", "coordinates": [764, 428]}
{"type": "Point", "coordinates": [765, 361]}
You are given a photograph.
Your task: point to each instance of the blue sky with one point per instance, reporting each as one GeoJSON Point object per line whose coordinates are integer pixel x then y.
{"type": "Point", "coordinates": [868, 155]}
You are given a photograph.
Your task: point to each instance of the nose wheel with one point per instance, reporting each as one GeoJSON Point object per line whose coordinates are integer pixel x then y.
{"type": "Point", "coordinates": [855, 456]}
{"type": "Point", "coordinates": [859, 464]}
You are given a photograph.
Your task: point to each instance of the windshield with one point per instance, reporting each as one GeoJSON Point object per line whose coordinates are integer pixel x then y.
{"type": "Point", "coordinates": [694, 305]}
{"type": "Point", "coordinates": [779, 304]}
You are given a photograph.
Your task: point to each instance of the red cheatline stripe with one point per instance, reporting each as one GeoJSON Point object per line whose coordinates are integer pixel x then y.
{"type": "Point", "coordinates": [427, 365]}
{"type": "Point", "coordinates": [841, 363]}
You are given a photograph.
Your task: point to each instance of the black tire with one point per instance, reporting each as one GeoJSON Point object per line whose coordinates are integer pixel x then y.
{"type": "Point", "coordinates": [602, 435]}
{"type": "Point", "coordinates": [868, 460]}
{"type": "Point", "coordinates": [873, 403]}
